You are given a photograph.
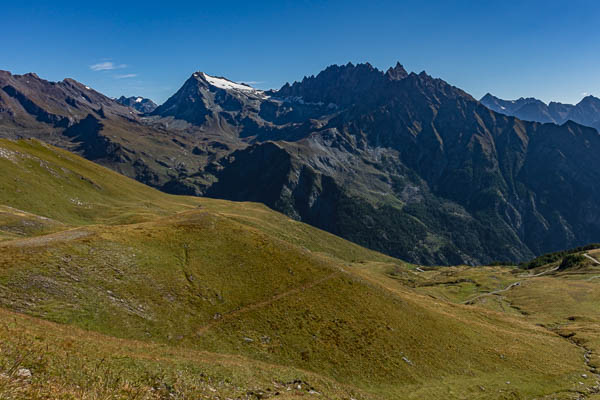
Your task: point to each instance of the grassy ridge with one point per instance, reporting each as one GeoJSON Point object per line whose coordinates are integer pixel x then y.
{"type": "Point", "coordinates": [238, 281]}
{"type": "Point", "coordinates": [56, 184]}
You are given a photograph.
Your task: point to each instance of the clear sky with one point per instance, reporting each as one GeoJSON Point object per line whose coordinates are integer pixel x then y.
{"type": "Point", "coordinates": [547, 49]}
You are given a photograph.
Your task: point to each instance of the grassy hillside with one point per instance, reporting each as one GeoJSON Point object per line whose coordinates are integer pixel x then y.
{"type": "Point", "coordinates": [200, 298]}
{"type": "Point", "coordinates": [561, 297]}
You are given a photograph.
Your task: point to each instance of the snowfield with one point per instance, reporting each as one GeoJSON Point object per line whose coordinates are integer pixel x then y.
{"type": "Point", "coordinates": [227, 84]}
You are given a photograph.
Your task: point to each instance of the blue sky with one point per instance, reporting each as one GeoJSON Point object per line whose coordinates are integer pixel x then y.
{"type": "Point", "coordinates": [546, 49]}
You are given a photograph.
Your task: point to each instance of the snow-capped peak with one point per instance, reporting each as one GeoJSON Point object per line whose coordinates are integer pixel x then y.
{"type": "Point", "coordinates": [226, 84]}
{"type": "Point", "coordinates": [139, 100]}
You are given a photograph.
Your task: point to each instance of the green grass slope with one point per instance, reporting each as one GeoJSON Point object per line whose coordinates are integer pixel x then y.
{"type": "Point", "coordinates": [200, 298]}
{"type": "Point", "coordinates": [55, 184]}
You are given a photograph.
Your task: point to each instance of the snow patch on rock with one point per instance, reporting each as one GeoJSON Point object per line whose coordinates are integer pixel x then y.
{"type": "Point", "coordinates": [226, 84]}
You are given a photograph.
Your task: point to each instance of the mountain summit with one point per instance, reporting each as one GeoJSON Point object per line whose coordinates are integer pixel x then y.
{"type": "Point", "coordinates": [397, 73]}
{"type": "Point", "coordinates": [202, 97]}
{"type": "Point", "coordinates": [140, 104]}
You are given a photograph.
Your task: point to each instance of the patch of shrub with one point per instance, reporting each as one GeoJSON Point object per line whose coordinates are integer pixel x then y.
{"type": "Point", "coordinates": [570, 261]}
{"type": "Point", "coordinates": [501, 263]}
{"type": "Point", "coordinates": [556, 256]}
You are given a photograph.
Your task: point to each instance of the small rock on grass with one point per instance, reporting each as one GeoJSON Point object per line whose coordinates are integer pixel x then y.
{"type": "Point", "coordinates": [23, 373]}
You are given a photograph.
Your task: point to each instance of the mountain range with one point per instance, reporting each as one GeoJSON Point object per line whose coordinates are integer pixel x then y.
{"type": "Point", "coordinates": [141, 104]}
{"type": "Point", "coordinates": [586, 112]}
{"type": "Point", "coordinates": [400, 162]}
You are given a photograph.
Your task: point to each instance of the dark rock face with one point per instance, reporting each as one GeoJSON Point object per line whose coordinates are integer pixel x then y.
{"type": "Point", "coordinates": [186, 104]}
{"type": "Point", "coordinates": [586, 112]}
{"type": "Point", "coordinates": [402, 163]}
{"type": "Point", "coordinates": [396, 73]}
{"type": "Point", "coordinates": [143, 105]}
{"type": "Point", "coordinates": [40, 114]}
{"type": "Point", "coordinates": [87, 133]}
{"type": "Point", "coordinates": [338, 85]}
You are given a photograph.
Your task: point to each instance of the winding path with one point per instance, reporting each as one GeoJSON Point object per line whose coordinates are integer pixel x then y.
{"type": "Point", "coordinates": [235, 313]}
{"type": "Point", "coordinates": [37, 241]}
{"type": "Point", "coordinates": [591, 258]}
{"type": "Point", "coordinates": [512, 285]}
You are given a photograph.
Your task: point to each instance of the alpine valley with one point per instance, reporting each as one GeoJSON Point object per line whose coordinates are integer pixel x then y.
{"type": "Point", "coordinates": [399, 162]}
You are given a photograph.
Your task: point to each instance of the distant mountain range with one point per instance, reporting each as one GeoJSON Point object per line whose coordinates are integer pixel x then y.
{"type": "Point", "coordinates": [586, 112]}
{"type": "Point", "coordinates": [403, 163]}
{"type": "Point", "coordinates": [139, 103]}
